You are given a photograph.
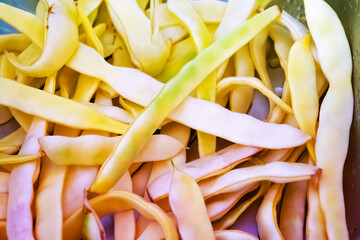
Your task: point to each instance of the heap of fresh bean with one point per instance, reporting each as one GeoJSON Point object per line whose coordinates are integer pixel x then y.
{"type": "Point", "coordinates": [106, 95]}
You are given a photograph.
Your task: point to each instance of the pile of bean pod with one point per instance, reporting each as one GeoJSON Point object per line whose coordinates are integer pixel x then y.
{"type": "Point", "coordinates": [146, 111]}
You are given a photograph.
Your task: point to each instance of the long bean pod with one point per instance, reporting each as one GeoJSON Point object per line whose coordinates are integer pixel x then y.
{"type": "Point", "coordinates": [183, 189]}
{"type": "Point", "coordinates": [94, 149]}
{"type": "Point", "coordinates": [55, 108]}
{"type": "Point", "coordinates": [19, 224]}
{"type": "Point", "coordinates": [335, 112]}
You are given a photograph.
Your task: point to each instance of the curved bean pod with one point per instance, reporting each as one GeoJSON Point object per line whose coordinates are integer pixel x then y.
{"type": "Point", "coordinates": [189, 208]}
{"type": "Point", "coordinates": [61, 37]}
{"type": "Point", "coordinates": [335, 112]}
{"type": "Point", "coordinates": [116, 201]}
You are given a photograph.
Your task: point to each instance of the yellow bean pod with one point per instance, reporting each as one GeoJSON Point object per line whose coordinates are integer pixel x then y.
{"type": "Point", "coordinates": [124, 221]}
{"type": "Point", "coordinates": [236, 13]}
{"type": "Point", "coordinates": [12, 142]}
{"type": "Point", "coordinates": [14, 42]}
{"type": "Point", "coordinates": [54, 108]}
{"type": "Point", "coordinates": [219, 205]}
{"type": "Point", "coordinates": [182, 48]}
{"type": "Point", "coordinates": [258, 53]}
{"type": "Point", "coordinates": [99, 29]}
{"type": "Point", "coordinates": [28, 56]}
{"type": "Point", "coordinates": [203, 168]}
{"type": "Point", "coordinates": [153, 230]}
{"type": "Point", "coordinates": [5, 114]}
{"type": "Point", "coordinates": [87, 85]}
{"type": "Point", "coordinates": [173, 67]}
{"type": "Point", "coordinates": [108, 90]}
{"type": "Point", "coordinates": [302, 82]}
{"type": "Point", "coordinates": [3, 230]}
{"type": "Point", "coordinates": [315, 221]}
{"type": "Point", "coordinates": [60, 20]}
{"type": "Point", "coordinates": [113, 112]}
{"type": "Point", "coordinates": [94, 149]}
{"type": "Point", "coordinates": [336, 112]}
{"type": "Point", "coordinates": [177, 131]}
{"type": "Point", "coordinates": [147, 49]}
{"type": "Point", "coordinates": [277, 155]}
{"type": "Point", "coordinates": [6, 71]}
{"type": "Point", "coordinates": [80, 177]}
{"type": "Point", "coordinates": [292, 214]}
{"type": "Point", "coordinates": [4, 198]}
{"type": "Point", "coordinates": [282, 45]}
{"type": "Point", "coordinates": [12, 159]}
{"type": "Point", "coordinates": [192, 22]}
{"type": "Point", "coordinates": [174, 34]}
{"type": "Point", "coordinates": [92, 38]}
{"type": "Point", "coordinates": [189, 208]}
{"type": "Point", "coordinates": [121, 56]}
{"type": "Point", "coordinates": [297, 30]}
{"type": "Point", "coordinates": [210, 11]}
{"type": "Point", "coordinates": [71, 199]}
{"type": "Point", "coordinates": [303, 88]}
{"type": "Point", "coordinates": [240, 98]}
{"type": "Point", "coordinates": [135, 166]}
{"type": "Point", "coordinates": [48, 201]}
{"type": "Point", "coordinates": [278, 172]}
{"type": "Point", "coordinates": [142, 4]}
{"type": "Point", "coordinates": [29, 28]}
{"type": "Point", "coordinates": [116, 201]}
{"type": "Point", "coordinates": [134, 109]}
{"type": "Point", "coordinates": [233, 235]}
{"type": "Point", "coordinates": [92, 227]}
{"type": "Point", "coordinates": [89, 5]}
{"type": "Point", "coordinates": [228, 84]}
{"type": "Point", "coordinates": [19, 224]}
{"type": "Point", "coordinates": [67, 82]}
{"type": "Point", "coordinates": [230, 217]}
{"type": "Point", "coordinates": [140, 179]}
{"type": "Point", "coordinates": [4, 182]}
{"type": "Point", "coordinates": [321, 82]}
{"type": "Point", "coordinates": [266, 217]}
